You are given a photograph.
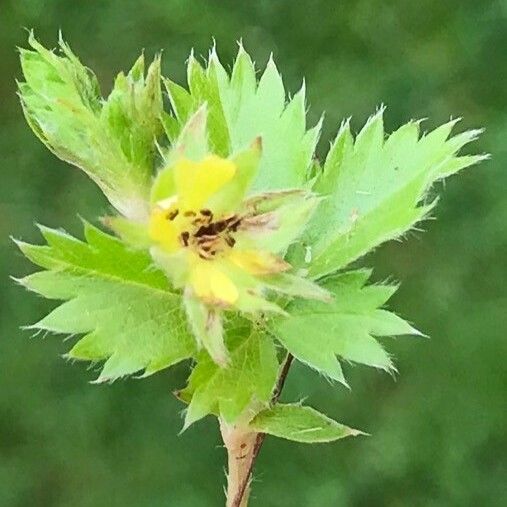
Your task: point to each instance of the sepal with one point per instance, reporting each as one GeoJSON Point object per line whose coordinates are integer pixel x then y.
{"type": "Point", "coordinates": [206, 325]}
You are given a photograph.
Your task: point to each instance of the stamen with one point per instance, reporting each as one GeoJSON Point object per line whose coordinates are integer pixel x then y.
{"type": "Point", "coordinates": [209, 237]}
{"type": "Point", "coordinates": [173, 214]}
{"type": "Point", "coordinates": [235, 225]}
{"type": "Point", "coordinates": [205, 255]}
{"type": "Point", "coordinates": [185, 235]}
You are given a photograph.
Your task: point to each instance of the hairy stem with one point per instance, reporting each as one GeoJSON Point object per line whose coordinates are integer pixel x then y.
{"type": "Point", "coordinates": [244, 446]}
{"type": "Point", "coordinates": [240, 444]}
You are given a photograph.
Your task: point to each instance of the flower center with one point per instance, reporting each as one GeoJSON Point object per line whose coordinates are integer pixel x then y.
{"type": "Point", "coordinates": [205, 234]}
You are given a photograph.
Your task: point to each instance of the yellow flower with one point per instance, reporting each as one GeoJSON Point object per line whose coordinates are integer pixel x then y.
{"type": "Point", "coordinates": [187, 224]}
{"type": "Point", "coordinates": [223, 249]}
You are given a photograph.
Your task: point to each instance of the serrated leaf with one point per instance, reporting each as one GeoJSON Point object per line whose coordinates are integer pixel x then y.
{"type": "Point", "coordinates": [376, 188]}
{"type": "Point", "coordinates": [300, 424]}
{"type": "Point", "coordinates": [111, 140]}
{"type": "Point", "coordinates": [248, 379]}
{"type": "Point", "coordinates": [204, 88]}
{"type": "Point", "coordinates": [317, 332]}
{"type": "Point", "coordinates": [114, 296]}
{"type": "Point", "coordinates": [132, 113]}
{"type": "Point", "coordinates": [240, 110]}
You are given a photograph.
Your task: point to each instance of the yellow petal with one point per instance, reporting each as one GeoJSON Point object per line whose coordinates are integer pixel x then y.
{"type": "Point", "coordinates": [163, 231]}
{"type": "Point", "coordinates": [196, 182]}
{"type": "Point", "coordinates": [258, 262]}
{"type": "Point", "coordinates": [212, 285]}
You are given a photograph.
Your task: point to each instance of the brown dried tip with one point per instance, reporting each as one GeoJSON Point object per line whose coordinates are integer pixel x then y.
{"type": "Point", "coordinates": [257, 143]}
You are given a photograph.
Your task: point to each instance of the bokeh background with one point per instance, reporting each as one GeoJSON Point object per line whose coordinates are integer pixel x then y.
{"type": "Point", "coordinates": [438, 429]}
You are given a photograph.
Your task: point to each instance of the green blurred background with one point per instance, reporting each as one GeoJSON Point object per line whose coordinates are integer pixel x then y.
{"type": "Point", "coordinates": [438, 429]}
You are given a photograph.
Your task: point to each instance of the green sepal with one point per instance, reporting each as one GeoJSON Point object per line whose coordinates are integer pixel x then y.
{"type": "Point", "coordinates": [174, 265]}
{"type": "Point", "coordinates": [230, 197]}
{"type": "Point", "coordinates": [135, 234]}
{"type": "Point", "coordinates": [280, 219]}
{"type": "Point", "coordinates": [181, 100]}
{"type": "Point", "coordinates": [132, 113]}
{"type": "Point", "coordinates": [192, 144]}
{"type": "Point", "coordinates": [297, 286]}
{"type": "Point", "coordinates": [206, 325]}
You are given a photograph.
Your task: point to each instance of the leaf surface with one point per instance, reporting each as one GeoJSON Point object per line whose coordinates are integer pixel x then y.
{"type": "Point", "coordinates": [242, 109]}
{"type": "Point", "coordinates": [376, 188]}
{"type": "Point", "coordinates": [247, 381]}
{"type": "Point", "coordinates": [300, 424]}
{"type": "Point", "coordinates": [115, 297]}
{"type": "Point", "coordinates": [316, 332]}
{"type": "Point", "coordinates": [112, 140]}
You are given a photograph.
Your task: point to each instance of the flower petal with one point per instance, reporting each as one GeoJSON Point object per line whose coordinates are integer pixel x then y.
{"type": "Point", "coordinates": [196, 182]}
{"type": "Point", "coordinates": [163, 231]}
{"type": "Point", "coordinates": [258, 262]}
{"type": "Point", "coordinates": [212, 285]}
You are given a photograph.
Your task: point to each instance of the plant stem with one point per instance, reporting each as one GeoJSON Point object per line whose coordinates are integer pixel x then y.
{"type": "Point", "coordinates": [282, 377]}
{"type": "Point", "coordinates": [240, 444]}
{"type": "Point", "coordinates": [244, 446]}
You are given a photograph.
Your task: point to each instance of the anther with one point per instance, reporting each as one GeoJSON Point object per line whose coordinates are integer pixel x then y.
{"type": "Point", "coordinates": [205, 255]}
{"type": "Point", "coordinates": [173, 214]}
{"type": "Point", "coordinates": [230, 241]}
{"type": "Point", "coordinates": [234, 226]}
{"type": "Point", "coordinates": [185, 235]}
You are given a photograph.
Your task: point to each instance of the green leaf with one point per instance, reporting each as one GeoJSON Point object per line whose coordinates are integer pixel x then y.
{"type": "Point", "coordinates": [204, 88]}
{"type": "Point", "coordinates": [240, 110]}
{"type": "Point", "coordinates": [113, 140]}
{"type": "Point", "coordinates": [300, 424]}
{"type": "Point", "coordinates": [317, 332]}
{"type": "Point", "coordinates": [376, 188]}
{"type": "Point", "coordinates": [132, 111]}
{"type": "Point", "coordinates": [115, 297]}
{"type": "Point", "coordinates": [181, 100]}
{"type": "Point", "coordinates": [192, 142]}
{"type": "Point", "coordinates": [247, 381]}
